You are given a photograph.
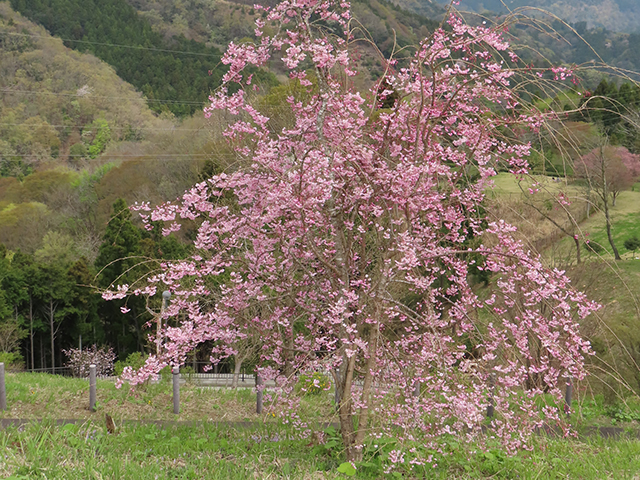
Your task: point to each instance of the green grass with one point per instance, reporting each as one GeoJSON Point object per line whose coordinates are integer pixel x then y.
{"type": "Point", "coordinates": [41, 395]}
{"type": "Point", "coordinates": [625, 220]}
{"type": "Point", "coordinates": [88, 451]}
{"type": "Point", "coordinates": [268, 448]}
{"type": "Point", "coordinates": [624, 227]}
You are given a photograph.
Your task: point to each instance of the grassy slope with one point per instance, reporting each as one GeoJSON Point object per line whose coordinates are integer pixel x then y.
{"type": "Point", "coordinates": [206, 452]}
{"type": "Point", "coordinates": [615, 330]}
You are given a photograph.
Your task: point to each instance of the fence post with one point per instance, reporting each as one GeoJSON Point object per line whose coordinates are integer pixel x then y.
{"type": "Point", "coordinates": [92, 388]}
{"type": "Point", "coordinates": [3, 389]}
{"type": "Point", "coordinates": [176, 390]}
{"type": "Point", "coordinates": [492, 387]}
{"type": "Point", "coordinates": [258, 394]}
{"type": "Point", "coordinates": [416, 391]}
{"type": "Point", "coordinates": [567, 396]}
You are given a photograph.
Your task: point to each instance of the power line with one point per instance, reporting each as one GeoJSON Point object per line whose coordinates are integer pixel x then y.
{"type": "Point", "coordinates": [106, 155]}
{"type": "Point", "coordinates": [153, 49]}
{"type": "Point", "coordinates": [90, 95]}
{"type": "Point", "coordinates": [110, 127]}
{"type": "Point", "coordinates": [80, 95]}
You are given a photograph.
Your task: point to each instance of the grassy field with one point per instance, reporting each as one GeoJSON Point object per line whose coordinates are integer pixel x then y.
{"type": "Point", "coordinates": [264, 448]}
{"type": "Point", "coordinates": [87, 451]}
{"type": "Point", "coordinates": [40, 395]}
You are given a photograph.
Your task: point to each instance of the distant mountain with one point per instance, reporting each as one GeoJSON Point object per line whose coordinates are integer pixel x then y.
{"type": "Point", "coordinates": [614, 15]}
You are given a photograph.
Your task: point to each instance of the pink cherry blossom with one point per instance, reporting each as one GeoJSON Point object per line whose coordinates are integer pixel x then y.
{"type": "Point", "coordinates": [350, 247]}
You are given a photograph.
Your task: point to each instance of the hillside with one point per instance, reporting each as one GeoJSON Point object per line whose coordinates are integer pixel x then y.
{"type": "Point", "coordinates": [74, 137]}
{"type": "Point", "coordinates": [614, 15]}
{"type": "Point", "coordinates": [222, 21]}
{"type": "Point", "coordinates": [59, 106]}
{"type": "Point", "coordinates": [175, 74]}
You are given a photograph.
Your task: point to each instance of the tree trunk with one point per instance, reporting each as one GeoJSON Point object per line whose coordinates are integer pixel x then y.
{"type": "Point", "coordinates": [605, 199]}
{"type": "Point", "coordinates": [33, 365]}
{"type": "Point", "coordinates": [236, 371]}
{"type": "Point", "coordinates": [288, 352]}
{"type": "Point", "coordinates": [363, 415]}
{"type": "Point", "coordinates": [345, 414]}
{"type": "Point", "coordinates": [53, 335]}
{"type": "Point", "coordinates": [577, 242]}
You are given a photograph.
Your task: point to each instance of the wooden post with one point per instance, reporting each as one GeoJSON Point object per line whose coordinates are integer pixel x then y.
{"type": "Point", "coordinates": [416, 392]}
{"type": "Point", "coordinates": [176, 390]}
{"type": "Point", "coordinates": [92, 388]}
{"type": "Point", "coordinates": [567, 396]}
{"type": "Point", "coordinates": [492, 387]}
{"type": "Point", "coordinates": [258, 394]}
{"type": "Point", "coordinates": [3, 389]}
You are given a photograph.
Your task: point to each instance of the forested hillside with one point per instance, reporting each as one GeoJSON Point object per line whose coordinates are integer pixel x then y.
{"type": "Point", "coordinates": [77, 144]}
{"type": "Point", "coordinates": [59, 106]}
{"type": "Point", "coordinates": [557, 42]}
{"type": "Point", "coordinates": [615, 15]}
{"type": "Point", "coordinates": [174, 74]}
{"type": "Point", "coordinates": [219, 22]}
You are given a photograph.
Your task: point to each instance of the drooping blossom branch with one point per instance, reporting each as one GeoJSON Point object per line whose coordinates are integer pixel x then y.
{"type": "Point", "coordinates": [349, 241]}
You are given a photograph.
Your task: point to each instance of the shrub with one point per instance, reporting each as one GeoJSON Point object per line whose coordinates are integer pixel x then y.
{"type": "Point", "coordinates": [314, 383]}
{"type": "Point", "coordinates": [135, 360]}
{"type": "Point", "coordinates": [13, 361]}
{"type": "Point", "coordinates": [79, 360]}
{"type": "Point", "coordinates": [78, 150]}
{"type": "Point", "coordinates": [632, 244]}
{"type": "Point", "coordinates": [593, 247]}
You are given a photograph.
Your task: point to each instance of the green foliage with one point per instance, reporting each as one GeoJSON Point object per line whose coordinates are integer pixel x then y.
{"type": "Point", "coordinates": [56, 248]}
{"type": "Point", "coordinates": [78, 150]}
{"type": "Point", "coordinates": [347, 468]}
{"type": "Point", "coordinates": [134, 360]}
{"type": "Point", "coordinates": [621, 414]}
{"type": "Point", "coordinates": [101, 137]}
{"type": "Point", "coordinates": [593, 247]}
{"type": "Point", "coordinates": [314, 383]}
{"type": "Point", "coordinates": [12, 360]}
{"type": "Point", "coordinates": [632, 243]}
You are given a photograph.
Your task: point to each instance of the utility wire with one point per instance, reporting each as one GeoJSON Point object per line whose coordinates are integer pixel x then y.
{"type": "Point", "coordinates": [90, 95]}
{"type": "Point", "coordinates": [110, 127]}
{"type": "Point", "coordinates": [107, 155]}
{"type": "Point", "coordinates": [153, 49]}
{"type": "Point", "coordinates": [80, 95]}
